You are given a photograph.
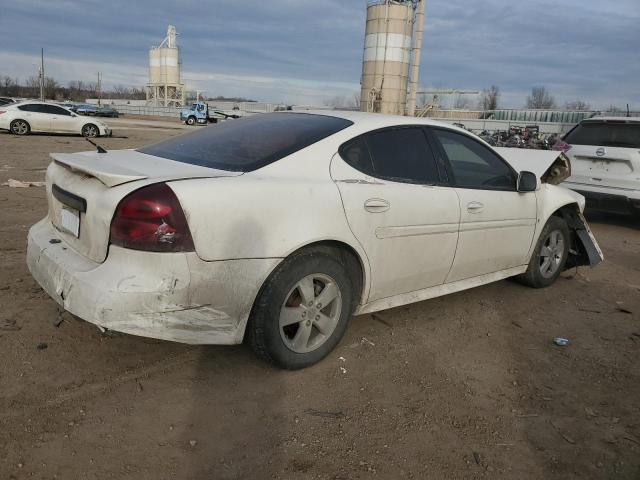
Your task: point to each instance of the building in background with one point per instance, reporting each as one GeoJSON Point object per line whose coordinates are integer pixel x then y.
{"type": "Point", "coordinates": [165, 88]}
{"type": "Point", "coordinates": [391, 59]}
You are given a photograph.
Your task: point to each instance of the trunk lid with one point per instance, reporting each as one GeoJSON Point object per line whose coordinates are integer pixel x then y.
{"type": "Point", "coordinates": [90, 185]}
{"type": "Point", "coordinates": [614, 167]}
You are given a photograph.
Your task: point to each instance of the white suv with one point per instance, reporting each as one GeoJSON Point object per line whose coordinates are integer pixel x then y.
{"type": "Point", "coordinates": [605, 162]}
{"type": "Point", "coordinates": [26, 117]}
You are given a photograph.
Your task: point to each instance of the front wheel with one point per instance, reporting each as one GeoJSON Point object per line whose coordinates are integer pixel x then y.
{"type": "Point", "coordinates": [302, 311]}
{"type": "Point", "coordinates": [191, 121]}
{"type": "Point", "coordinates": [90, 130]}
{"type": "Point", "coordinates": [550, 255]}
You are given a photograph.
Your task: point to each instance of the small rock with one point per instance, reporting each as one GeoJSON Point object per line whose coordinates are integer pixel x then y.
{"type": "Point", "coordinates": [42, 346]}
{"type": "Point", "coordinates": [193, 443]}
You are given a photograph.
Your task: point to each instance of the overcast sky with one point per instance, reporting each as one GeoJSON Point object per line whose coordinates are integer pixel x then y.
{"type": "Point", "coordinates": [308, 51]}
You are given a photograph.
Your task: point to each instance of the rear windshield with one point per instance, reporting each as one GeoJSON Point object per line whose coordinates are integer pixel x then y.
{"type": "Point", "coordinates": [606, 134]}
{"type": "Point", "coordinates": [249, 143]}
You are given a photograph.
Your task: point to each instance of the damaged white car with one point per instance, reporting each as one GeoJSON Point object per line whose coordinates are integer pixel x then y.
{"type": "Point", "coordinates": [278, 227]}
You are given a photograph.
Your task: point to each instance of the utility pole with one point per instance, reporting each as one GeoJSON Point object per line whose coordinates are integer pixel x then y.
{"type": "Point", "coordinates": [99, 91]}
{"type": "Point", "coordinates": [415, 60]}
{"type": "Point", "coordinates": [42, 74]}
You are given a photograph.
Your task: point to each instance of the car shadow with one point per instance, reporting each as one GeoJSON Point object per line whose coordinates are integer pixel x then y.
{"type": "Point", "coordinates": [614, 219]}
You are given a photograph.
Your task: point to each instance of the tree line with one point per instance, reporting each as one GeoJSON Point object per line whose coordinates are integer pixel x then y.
{"type": "Point", "coordinates": [75, 91]}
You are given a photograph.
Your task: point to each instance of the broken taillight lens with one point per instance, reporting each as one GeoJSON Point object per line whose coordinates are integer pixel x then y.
{"type": "Point", "coordinates": [151, 219]}
{"type": "Point", "coordinates": [561, 146]}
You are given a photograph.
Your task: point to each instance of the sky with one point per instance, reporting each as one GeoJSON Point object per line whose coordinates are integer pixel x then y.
{"type": "Point", "coordinates": [310, 51]}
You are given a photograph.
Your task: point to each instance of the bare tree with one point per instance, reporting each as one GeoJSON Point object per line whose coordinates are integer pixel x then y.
{"type": "Point", "coordinates": [577, 105]}
{"type": "Point", "coordinates": [540, 99]}
{"type": "Point", "coordinates": [460, 102]}
{"type": "Point", "coordinates": [489, 98]}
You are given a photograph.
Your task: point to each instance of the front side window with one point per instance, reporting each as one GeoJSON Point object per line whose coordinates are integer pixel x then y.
{"type": "Point", "coordinates": [398, 154]}
{"type": "Point", "coordinates": [474, 165]}
{"type": "Point", "coordinates": [248, 143]}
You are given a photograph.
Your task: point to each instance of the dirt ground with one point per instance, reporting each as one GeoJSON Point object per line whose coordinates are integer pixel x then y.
{"type": "Point", "coordinates": [464, 386]}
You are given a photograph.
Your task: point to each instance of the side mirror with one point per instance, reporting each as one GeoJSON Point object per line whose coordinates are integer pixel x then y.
{"type": "Point", "coordinates": [527, 182]}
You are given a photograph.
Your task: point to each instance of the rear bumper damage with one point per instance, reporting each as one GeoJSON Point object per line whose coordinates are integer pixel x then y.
{"type": "Point", "coordinates": [174, 296]}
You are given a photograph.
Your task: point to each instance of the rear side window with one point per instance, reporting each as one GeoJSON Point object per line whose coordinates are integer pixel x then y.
{"type": "Point", "coordinates": [54, 110]}
{"type": "Point", "coordinates": [397, 154]}
{"type": "Point", "coordinates": [473, 164]}
{"type": "Point", "coordinates": [246, 144]}
{"type": "Point", "coordinates": [606, 134]}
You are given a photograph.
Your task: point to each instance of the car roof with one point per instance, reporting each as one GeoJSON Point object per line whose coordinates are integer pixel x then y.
{"type": "Point", "coordinates": [612, 119]}
{"type": "Point", "coordinates": [376, 120]}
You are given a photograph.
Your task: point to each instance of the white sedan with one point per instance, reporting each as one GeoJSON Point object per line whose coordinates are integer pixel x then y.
{"type": "Point", "coordinates": [26, 117]}
{"type": "Point", "coordinates": [279, 227]}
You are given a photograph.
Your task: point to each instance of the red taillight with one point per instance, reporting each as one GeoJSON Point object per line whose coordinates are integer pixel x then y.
{"type": "Point", "coordinates": [151, 219]}
{"type": "Point", "coordinates": [561, 146]}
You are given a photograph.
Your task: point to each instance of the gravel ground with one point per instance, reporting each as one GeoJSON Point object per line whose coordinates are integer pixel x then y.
{"type": "Point", "coordinates": [464, 386]}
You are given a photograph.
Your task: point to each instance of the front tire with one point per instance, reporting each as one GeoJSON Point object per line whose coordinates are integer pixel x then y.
{"type": "Point", "coordinates": [302, 310]}
{"type": "Point", "coordinates": [20, 127]}
{"type": "Point", "coordinates": [191, 121]}
{"type": "Point", "coordinates": [90, 131]}
{"type": "Point", "coordinates": [550, 255]}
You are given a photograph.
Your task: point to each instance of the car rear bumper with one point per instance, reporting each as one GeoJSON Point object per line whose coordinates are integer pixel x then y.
{"type": "Point", "coordinates": [169, 296]}
{"type": "Point", "coordinates": [607, 198]}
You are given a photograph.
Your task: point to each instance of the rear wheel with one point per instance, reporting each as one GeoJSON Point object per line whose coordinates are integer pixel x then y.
{"type": "Point", "coordinates": [20, 127]}
{"type": "Point", "coordinates": [302, 310]}
{"type": "Point", "coordinates": [550, 255]}
{"type": "Point", "coordinates": [90, 130]}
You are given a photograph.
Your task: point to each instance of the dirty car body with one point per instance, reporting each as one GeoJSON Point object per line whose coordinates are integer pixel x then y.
{"type": "Point", "coordinates": [183, 239]}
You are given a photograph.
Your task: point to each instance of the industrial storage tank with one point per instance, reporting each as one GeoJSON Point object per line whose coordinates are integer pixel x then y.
{"type": "Point", "coordinates": [387, 55]}
{"type": "Point", "coordinates": [165, 87]}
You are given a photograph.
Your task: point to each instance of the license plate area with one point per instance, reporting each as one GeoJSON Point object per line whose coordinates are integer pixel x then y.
{"type": "Point", "coordinates": [70, 221]}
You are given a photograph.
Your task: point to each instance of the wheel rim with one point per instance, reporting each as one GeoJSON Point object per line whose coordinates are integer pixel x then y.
{"type": "Point", "coordinates": [90, 131]}
{"type": "Point", "coordinates": [551, 253]}
{"type": "Point", "coordinates": [20, 127]}
{"type": "Point", "coordinates": [310, 313]}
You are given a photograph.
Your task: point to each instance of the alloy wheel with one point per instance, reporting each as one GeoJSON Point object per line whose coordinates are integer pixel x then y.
{"type": "Point", "coordinates": [551, 253]}
{"type": "Point", "coordinates": [310, 313]}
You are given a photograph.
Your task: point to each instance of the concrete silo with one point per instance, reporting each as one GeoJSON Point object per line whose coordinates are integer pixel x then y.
{"type": "Point", "coordinates": [165, 88]}
{"type": "Point", "coordinates": [393, 38]}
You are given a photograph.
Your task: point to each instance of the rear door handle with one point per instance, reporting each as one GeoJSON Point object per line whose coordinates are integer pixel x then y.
{"type": "Point", "coordinates": [475, 207]}
{"type": "Point", "coordinates": [376, 205]}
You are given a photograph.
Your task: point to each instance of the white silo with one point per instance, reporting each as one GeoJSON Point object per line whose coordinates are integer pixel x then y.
{"type": "Point", "coordinates": [388, 47]}
{"type": "Point", "coordinates": [165, 87]}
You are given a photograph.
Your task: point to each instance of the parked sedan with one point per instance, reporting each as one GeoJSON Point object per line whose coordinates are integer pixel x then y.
{"type": "Point", "coordinates": [26, 117]}
{"type": "Point", "coordinates": [605, 154]}
{"type": "Point", "coordinates": [96, 111]}
{"type": "Point", "coordinates": [278, 227]}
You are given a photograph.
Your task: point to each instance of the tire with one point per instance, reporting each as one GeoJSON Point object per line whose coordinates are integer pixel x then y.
{"type": "Point", "coordinates": [20, 127]}
{"type": "Point", "coordinates": [550, 255]}
{"type": "Point", "coordinates": [191, 121]}
{"type": "Point", "coordinates": [290, 294]}
{"type": "Point", "coordinates": [90, 131]}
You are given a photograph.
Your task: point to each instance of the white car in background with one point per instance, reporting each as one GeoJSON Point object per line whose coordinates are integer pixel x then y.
{"type": "Point", "coordinates": [605, 162]}
{"type": "Point", "coordinates": [26, 117]}
{"type": "Point", "coordinates": [281, 226]}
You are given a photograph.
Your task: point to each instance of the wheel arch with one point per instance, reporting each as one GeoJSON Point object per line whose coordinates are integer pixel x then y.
{"type": "Point", "coordinates": [583, 250]}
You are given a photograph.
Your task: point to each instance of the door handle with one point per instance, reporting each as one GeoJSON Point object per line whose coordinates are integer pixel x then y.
{"type": "Point", "coordinates": [376, 205]}
{"type": "Point", "coordinates": [475, 207]}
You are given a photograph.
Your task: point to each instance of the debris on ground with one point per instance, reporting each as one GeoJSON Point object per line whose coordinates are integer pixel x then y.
{"type": "Point", "coordinates": [561, 342]}
{"type": "Point", "coordinates": [366, 341]}
{"type": "Point", "coordinates": [13, 183]}
{"type": "Point", "coordinates": [9, 325]}
{"type": "Point", "coordinates": [42, 346]}
{"type": "Point", "coordinates": [193, 443]}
